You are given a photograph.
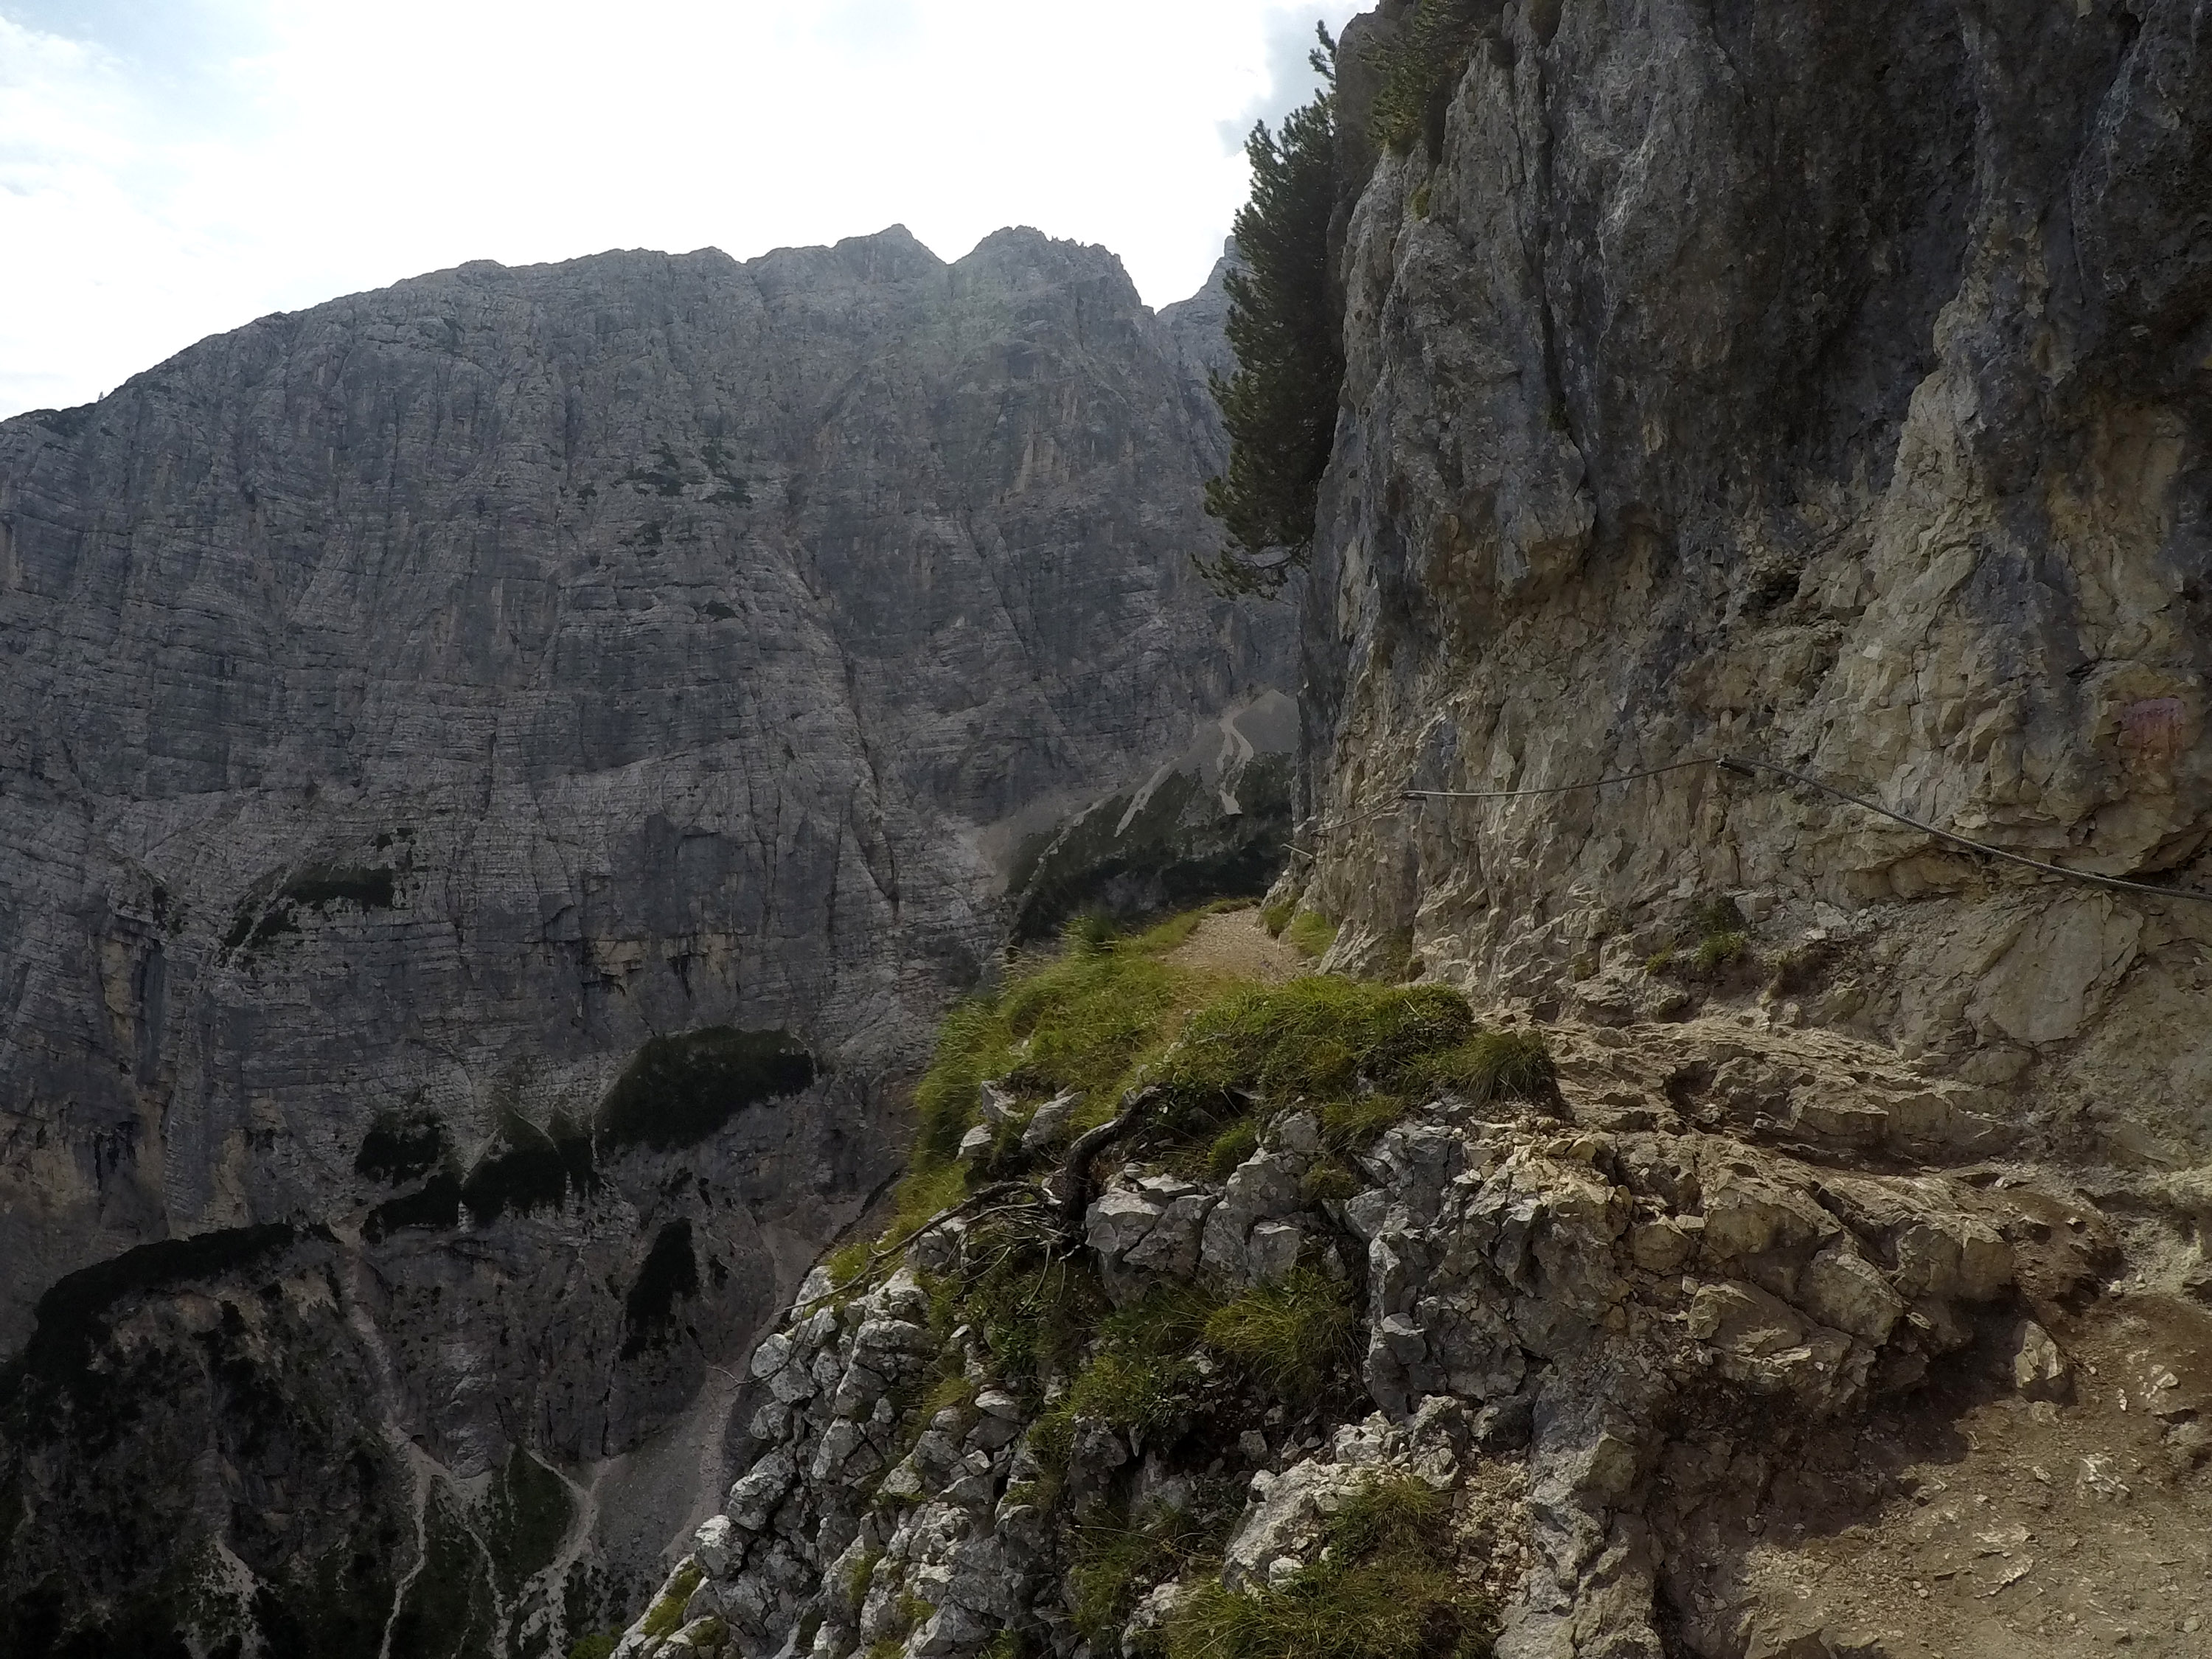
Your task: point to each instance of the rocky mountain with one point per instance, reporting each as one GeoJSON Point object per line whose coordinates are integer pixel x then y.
{"type": "Point", "coordinates": [1824, 391]}
{"type": "Point", "coordinates": [499, 776]}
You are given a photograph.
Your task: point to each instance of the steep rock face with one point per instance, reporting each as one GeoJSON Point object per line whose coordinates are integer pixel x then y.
{"type": "Point", "coordinates": [419, 708]}
{"type": "Point", "coordinates": [1829, 385]}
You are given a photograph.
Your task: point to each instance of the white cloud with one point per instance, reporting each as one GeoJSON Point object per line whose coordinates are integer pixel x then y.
{"type": "Point", "coordinates": [169, 172]}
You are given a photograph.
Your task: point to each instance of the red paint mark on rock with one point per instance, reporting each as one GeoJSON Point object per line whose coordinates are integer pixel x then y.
{"type": "Point", "coordinates": [2152, 728]}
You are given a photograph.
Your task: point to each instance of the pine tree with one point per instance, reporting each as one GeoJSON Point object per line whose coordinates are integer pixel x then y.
{"type": "Point", "coordinates": [1287, 331]}
{"type": "Point", "coordinates": [1420, 71]}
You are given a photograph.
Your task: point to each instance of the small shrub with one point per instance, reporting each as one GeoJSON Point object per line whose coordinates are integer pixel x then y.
{"type": "Point", "coordinates": [1659, 961]}
{"type": "Point", "coordinates": [1311, 934]}
{"type": "Point", "coordinates": [949, 1394]}
{"type": "Point", "coordinates": [1167, 1319]}
{"type": "Point", "coordinates": [1718, 951]}
{"type": "Point", "coordinates": [1032, 1308]}
{"type": "Point", "coordinates": [1288, 1336]}
{"type": "Point", "coordinates": [1141, 1391]}
{"type": "Point", "coordinates": [598, 1645]}
{"type": "Point", "coordinates": [1277, 916]}
{"type": "Point", "coordinates": [1800, 968]}
{"type": "Point", "coordinates": [1716, 917]}
{"type": "Point", "coordinates": [1144, 1374]}
{"type": "Point", "coordinates": [1231, 1147]}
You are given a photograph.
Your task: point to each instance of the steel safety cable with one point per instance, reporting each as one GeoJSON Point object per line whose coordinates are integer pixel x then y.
{"type": "Point", "coordinates": [1747, 767]}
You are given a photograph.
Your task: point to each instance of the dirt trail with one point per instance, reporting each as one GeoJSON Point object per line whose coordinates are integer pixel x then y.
{"type": "Point", "coordinates": [1238, 945]}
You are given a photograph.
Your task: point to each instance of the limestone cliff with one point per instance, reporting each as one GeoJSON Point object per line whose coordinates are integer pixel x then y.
{"type": "Point", "coordinates": [422, 712]}
{"type": "Point", "coordinates": [1829, 385]}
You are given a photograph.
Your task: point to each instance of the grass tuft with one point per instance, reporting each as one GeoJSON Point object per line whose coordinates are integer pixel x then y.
{"type": "Point", "coordinates": [1290, 1337]}
{"type": "Point", "coordinates": [1277, 916]}
{"type": "Point", "coordinates": [667, 1613]}
{"type": "Point", "coordinates": [1145, 1375]}
{"type": "Point", "coordinates": [1311, 934]}
{"type": "Point", "coordinates": [1384, 1589]}
{"type": "Point", "coordinates": [1329, 1182]}
{"type": "Point", "coordinates": [1494, 1065]}
{"type": "Point", "coordinates": [1314, 1038]}
{"type": "Point", "coordinates": [1114, 1564]}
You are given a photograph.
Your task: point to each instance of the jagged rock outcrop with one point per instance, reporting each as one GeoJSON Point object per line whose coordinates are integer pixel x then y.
{"type": "Point", "coordinates": [1826, 385]}
{"type": "Point", "coordinates": [1694, 1381]}
{"type": "Point", "coordinates": [420, 709]}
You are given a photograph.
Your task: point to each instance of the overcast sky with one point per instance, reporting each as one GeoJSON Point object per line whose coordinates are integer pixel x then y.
{"type": "Point", "coordinates": [171, 169]}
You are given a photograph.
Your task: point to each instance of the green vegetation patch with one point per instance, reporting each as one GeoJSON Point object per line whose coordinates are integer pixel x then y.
{"type": "Point", "coordinates": [1032, 1307]}
{"type": "Point", "coordinates": [401, 1147]}
{"type": "Point", "coordinates": [1085, 1020]}
{"type": "Point", "coordinates": [670, 1273]}
{"type": "Point", "coordinates": [665, 1615]}
{"type": "Point", "coordinates": [1716, 946]}
{"type": "Point", "coordinates": [1115, 1562]}
{"type": "Point", "coordinates": [317, 889]}
{"type": "Point", "coordinates": [527, 1514]}
{"type": "Point", "coordinates": [528, 1169]}
{"type": "Point", "coordinates": [436, 1207]}
{"type": "Point", "coordinates": [261, 918]}
{"type": "Point", "coordinates": [449, 1610]}
{"type": "Point", "coordinates": [678, 1089]}
{"type": "Point", "coordinates": [71, 1315]}
{"type": "Point", "coordinates": [1384, 1589]}
{"type": "Point", "coordinates": [1143, 1373]}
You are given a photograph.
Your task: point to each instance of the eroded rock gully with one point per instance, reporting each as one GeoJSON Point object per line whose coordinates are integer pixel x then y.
{"type": "Point", "coordinates": [1703, 1373]}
